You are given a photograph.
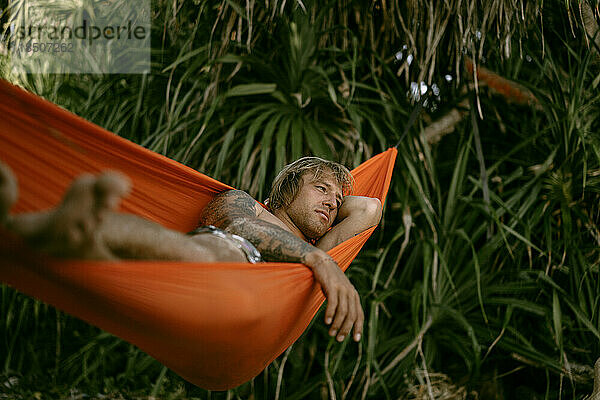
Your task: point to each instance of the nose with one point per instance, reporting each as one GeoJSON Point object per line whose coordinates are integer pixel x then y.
{"type": "Point", "coordinates": [330, 202]}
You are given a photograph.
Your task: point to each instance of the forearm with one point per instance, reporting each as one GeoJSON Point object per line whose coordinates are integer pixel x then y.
{"type": "Point", "coordinates": [341, 232]}
{"type": "Point", "coordinates": [275, 243]}
{"type": "Point", "coordinates": [357, 214]}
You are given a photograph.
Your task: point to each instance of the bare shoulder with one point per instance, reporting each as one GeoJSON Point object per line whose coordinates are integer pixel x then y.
{"type": "Point", "coordinates": [225, 207]}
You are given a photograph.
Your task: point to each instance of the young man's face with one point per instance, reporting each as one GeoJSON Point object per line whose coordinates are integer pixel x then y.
{"type": "Point", "coordinates": [316, 205]}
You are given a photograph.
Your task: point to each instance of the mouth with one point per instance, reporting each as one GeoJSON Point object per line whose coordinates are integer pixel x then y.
{"type": "Point", "coordinates": [323, 214]}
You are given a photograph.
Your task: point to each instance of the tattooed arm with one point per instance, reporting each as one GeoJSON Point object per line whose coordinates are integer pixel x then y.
{"type": "Point", "coordinates": [236, 212]}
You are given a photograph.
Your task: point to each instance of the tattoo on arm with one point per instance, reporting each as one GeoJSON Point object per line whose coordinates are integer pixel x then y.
{"type": "Point", "coordinates": [236, 212]}
{"type": "Point", "coordinates": [273, 242]}
{"type": "Point", "coordinates": [227, 207]}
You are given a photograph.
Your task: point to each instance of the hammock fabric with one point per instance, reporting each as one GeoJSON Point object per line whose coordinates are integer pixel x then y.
{"type": "Point", "coordinates": [216, 324]}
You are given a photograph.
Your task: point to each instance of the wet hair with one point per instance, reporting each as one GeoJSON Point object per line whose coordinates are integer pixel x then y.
{"type": "Point", "coordinates": [287, 183]}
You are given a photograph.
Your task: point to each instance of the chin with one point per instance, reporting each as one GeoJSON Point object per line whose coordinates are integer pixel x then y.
{"type": "Point", "coordinates": [314, 234]}
{"type": "Point", "coordinates": [318, 235]}
{"type": "Point", "coordinates": [313, 229]}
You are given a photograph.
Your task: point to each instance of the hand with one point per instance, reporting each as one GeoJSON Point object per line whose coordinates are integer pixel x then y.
{"type": "Point", "coordinates": [344, 310]}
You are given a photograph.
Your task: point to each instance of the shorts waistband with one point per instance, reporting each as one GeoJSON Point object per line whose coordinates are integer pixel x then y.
{"type": "Point", "coordinates": [252, 254]}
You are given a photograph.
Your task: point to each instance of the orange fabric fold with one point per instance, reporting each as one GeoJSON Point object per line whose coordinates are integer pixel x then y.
{"type": "Point", "coordinates": [216, 324]}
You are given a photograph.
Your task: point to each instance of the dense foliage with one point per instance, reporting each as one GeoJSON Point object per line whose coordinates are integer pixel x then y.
{"type": "Point", "coordinates": [483, 278]}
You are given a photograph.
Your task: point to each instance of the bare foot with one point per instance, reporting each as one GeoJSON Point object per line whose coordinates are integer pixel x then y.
{"type": "Point", "coordinates": [73, 228]}
{"type": "Point", "coordinates": [85, 226]}
{"type": "Point", "coordinates": [8, 191]}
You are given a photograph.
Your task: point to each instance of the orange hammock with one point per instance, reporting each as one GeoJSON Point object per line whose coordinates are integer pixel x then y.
{"type": "Point", "coordinates": [216, 324]}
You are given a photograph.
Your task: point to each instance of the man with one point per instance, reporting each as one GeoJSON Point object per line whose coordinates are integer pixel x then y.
{"type": "Point", "coordinates": [309, 212]}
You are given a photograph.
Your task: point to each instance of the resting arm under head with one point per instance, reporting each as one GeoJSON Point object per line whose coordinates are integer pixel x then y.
{"type": "Point", "coordinates": [357, 214]}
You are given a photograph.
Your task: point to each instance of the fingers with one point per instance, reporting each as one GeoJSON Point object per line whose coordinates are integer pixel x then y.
{"type": "Point", "coordinates": [341, 314]}
{"type": "Point", "coordinates": [347, 324]}
{"type": "Point", "coordinates": [358, 325]}
{"type": "Point", "coordinates": [331, 308]}
{"type": "Point", "coordinates": [345, 310]}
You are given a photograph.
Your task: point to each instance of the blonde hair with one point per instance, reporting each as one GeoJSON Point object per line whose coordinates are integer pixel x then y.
{"type": "Point", "coordinates": [287, 183]}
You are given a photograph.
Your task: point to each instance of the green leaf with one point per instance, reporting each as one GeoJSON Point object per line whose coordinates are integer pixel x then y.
{"type": "Point", "coordinates": [249, 141]}
{"type": "Point", "coordinates": [316, 141]}
{"type": "Point", "coordinates": [519, 303]}
{"type": "Point", "coordinates": [266, 150]}
{"type": "Point", "coordinates": [181, 59]}
{"type": "Point", "coordinates": [557, 320]}
{"type": "Point", "coordinates": [281, 144]}
{"type": "Point", "coordinates": [250, 89]}
{"type": "Point", "coordinates": [297, 138]}
{"type": "Point", "coordinates": [224, 151]}
{"type": "Point", "coordinates": [458, 176]}
{"type": "Point", "coordinates": [582, 317]}
{"type": "Point", "coordinates": [238, 9]}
